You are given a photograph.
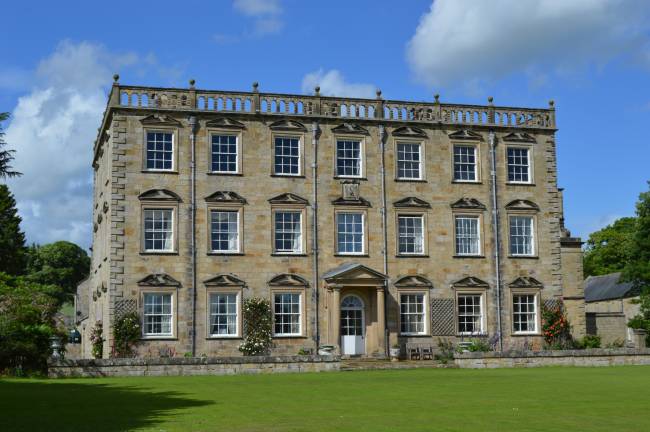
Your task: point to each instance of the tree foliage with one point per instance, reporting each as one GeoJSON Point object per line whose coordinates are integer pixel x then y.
{"type": "Point", "coordinates": [6, 156]}
{"type": "Point", "coordinates": [608, 250]}
{"type": "Point", "coordinates": [12, 241]}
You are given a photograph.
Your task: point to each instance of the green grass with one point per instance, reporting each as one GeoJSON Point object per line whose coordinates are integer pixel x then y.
{"type": "Point", "coordinates": [547, 399]}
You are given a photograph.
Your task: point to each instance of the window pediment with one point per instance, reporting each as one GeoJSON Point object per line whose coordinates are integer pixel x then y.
{"type": "Point", "coordinates": [288, 198]}
{"type": "Point", "coordinates": [409, 132]}
{"type": "Point", "coordinates": [159, 279]}
{"type": "Point", "coordinates": [525, 282]}
{"type": "Point", "coordinates": [160, 120]}
{"type": "Point", "coordinates": [519, 137]}
{"type": "Point", "coordinates": [466, 134]}
{"type": "Point", "coordinates": [412, 202]}
{"type": "Point", "coordinates": [288, 125]}
{"type": "Point", "coordinates": [343, 201]}
{"type": "Point", "coordinates": [159, 195]}
{"type": "Point", "coordinates": [226, 197]}
{"type": "Point", "coordinates": [468, 204]}
{"type": "Point", "coordinates": [350, 128]}
{"type": "Point", "coordinates": [224, 280]}
{"type": "Point", "coordinates": [288, 280]}
{"type": "Point", "coordinates": [470, 282]}
{"type": "Point", "coordinates": [522, 204]}
{"type": "Point", "coordinates": [413, 281]}
{"type": "Point", "coordinates": [225, 123]}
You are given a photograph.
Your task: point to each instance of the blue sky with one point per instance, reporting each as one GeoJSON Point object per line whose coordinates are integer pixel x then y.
{"type": "Point", "coordinates": [591, 56]}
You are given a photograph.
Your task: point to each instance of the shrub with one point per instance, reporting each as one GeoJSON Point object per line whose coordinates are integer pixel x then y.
{"type": "Point", "coordinates": [257, 327]}
{"type": "Point", "coordinates": [97, 340]}
{"type": "Point", "coordinates": [447, 350]}
{"type": "Point", "coordinates": [556, 328]}
{"type": "Point", "coordinates": [616, 343]}
{"type": "Point", "coordinates": [588, 341]}
{"type": "Point", "coordinates": [479, 345]}
{"type": "Point", "coordinates": [126, 335]}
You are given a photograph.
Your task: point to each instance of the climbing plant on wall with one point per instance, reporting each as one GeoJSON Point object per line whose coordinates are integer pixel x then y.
{"type": "Point", "coordinates": [257, 327]}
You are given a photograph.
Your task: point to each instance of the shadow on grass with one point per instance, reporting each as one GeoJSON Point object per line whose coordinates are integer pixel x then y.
{"type": "Point", "coordinates": [28, 405]}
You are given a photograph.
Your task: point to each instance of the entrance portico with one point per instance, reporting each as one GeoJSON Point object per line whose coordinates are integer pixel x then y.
{"type": "Point", "coordinates": [356, 310]}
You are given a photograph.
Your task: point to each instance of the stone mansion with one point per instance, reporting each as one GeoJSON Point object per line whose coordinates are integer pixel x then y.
{"type": "Point", "coordinates": [366, 223]}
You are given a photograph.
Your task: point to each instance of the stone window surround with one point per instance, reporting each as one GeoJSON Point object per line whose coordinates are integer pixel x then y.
{"type": "Point", "coordinates": [484, 310]}
{"type": "Point", "coordinates": [538, 319]}
{"type": "Point", "coordinates": [159, 290]}
{"type": "Point", "coordinates": [303, 318]}
{"type": "Point", "coordinates": [175, 139]}
{"type": "Point", "coordinates": [414, 290]}
{"type": "Point", "coordinates": [425, 237]}
{"type": "Point", "coordinates": [423, 171]}
{"type": "Point", "coordinates": [362, 155]}
{"type": "Point", "coordinates": [477, 151]}
{"type": "Point", "coordinates": [156, 205]}
{"type": "Point", "coordinates": [302, 208]}
{"type": "Point", "coordinates": [481, 230]}
{"type": "Point", "coordinates": [301, 152]}
{"type": "Point", "coordinates": [208, 316]}
{"type": "Point", "coordinates": [210, 131]}
{"type": "Point", "coordinates": [364, 220]}
{"type": "Point", "coordinates": [528, 213]}
{"type": "Point", "coordinates": [224, 206]}
{"type": "Point", "coordinates": [531, 163]}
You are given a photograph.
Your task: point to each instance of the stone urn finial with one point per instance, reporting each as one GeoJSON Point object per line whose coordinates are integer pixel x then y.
{"type": "Point", "coordinates": [116, 78]}
{"type": "Point", "coordinates": [436, 98]}
{"type": "Point", "coordinates": [490, 100]}
{"type": "Point", "coordinates": [378, 92]}
{"type": "Point", "coordinates": [192, 82]}
{"type": "Point", "coordinates": [317, 90]}
{"type": "Point", "coordinates": [256, 87]}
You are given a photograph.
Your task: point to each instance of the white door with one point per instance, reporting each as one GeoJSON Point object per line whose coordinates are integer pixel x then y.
{"type": "Point", "coordinates": [352, 326]}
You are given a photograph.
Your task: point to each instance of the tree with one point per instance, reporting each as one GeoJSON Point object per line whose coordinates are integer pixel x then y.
{"type": "Point", "coordinates": [637, 270]}
{"type": "Point", "coordinates": [609, 249]}
{"type": "Point", "coordinates": [12, 240]}
{"type": "Point", "coordinates": [62, 264]}
{"type": "Point", "coordinates": [6, 156]}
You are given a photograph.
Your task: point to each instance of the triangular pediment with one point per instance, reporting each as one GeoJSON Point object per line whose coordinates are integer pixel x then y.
{"type": "Point", "coordinates": [159, 195]}
{"type": "Point", "coordinates": [224, 280]}
{"type": "Point", "coordinates": [413, 281]}
{"type": "Point", "coordinates": [468, 203]}
{"type": "Point", "coordinates": [288, 125]}
{"type": "Point", "coordinates": [159, 279]}
{"type": "Point", "coordinates": [225, 123]}
{"type": "Point", "coordinates": [470, 282]}
{"type": "Point", "coordinates": [525, 282]}
{"type": "Point", "coordinates": [360, 201]}
{"type": "Point", "coordinates": [519, 137]}
{"type": "Point", "coordinates": [288, 279]}
{"type": "Point", "coordinates": [350, 128]}
{"type": "Point", "coordinates": [413, 202]}
{"type": "Point", "coordinates": [226, 197]}
{"type": "Point", "coordinates": [466, 134]}
{"type": "Point", "coordinates": [522, 204]}
{"type": "Point", "coordinates": [409, 132]}
{"type": "Point", "coordinates": [353, 271]}
{"type": "Point", "coordinates": [288, 198]}
{"type": "Point", "coordinates": [160, 120]}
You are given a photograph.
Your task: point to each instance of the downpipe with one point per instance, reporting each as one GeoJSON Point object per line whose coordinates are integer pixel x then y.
{"type": "Point", "coordinates": [496, 233]}
{"type": "Point", "coordinates": [193, 127]}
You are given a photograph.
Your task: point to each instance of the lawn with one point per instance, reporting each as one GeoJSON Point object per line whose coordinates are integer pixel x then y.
{"type": "Point", "coordinates": [546, 399]}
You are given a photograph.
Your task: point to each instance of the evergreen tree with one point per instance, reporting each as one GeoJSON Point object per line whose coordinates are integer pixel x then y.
{"type": "Point", "coordinates": [6, 156]}
{"type": "Point", "coordinates": [13, 255]}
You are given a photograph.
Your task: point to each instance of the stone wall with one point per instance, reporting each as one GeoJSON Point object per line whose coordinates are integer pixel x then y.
{"type": "Point", "coordinates": [191, 366]}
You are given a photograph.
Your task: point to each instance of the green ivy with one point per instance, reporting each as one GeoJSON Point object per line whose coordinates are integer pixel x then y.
{"type": "Point", "coordinates": [257, 327]}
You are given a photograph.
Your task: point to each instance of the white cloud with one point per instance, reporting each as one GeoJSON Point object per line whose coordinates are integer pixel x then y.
{"type": "Point", "coordinates": [332, 83]}
{"type": "Point", "coordinates": [456, 42]}
{"type": "Point", "coordinates": [53, 129]}
{"type": "Point", "coordinates": [266, 15]}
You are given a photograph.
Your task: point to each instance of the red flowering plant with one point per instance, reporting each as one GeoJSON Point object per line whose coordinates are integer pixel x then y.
{"type": "Point", "coordinates": [555, 327]}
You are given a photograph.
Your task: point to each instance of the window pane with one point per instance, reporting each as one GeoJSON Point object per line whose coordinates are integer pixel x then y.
{"type": "Point", "coordinates": [160, 151]}
{"type": "Point", "coordinates": [411, 234]}
{"type": "Point", "coordinates": [518, 165]}
{"type": "Point", "coordinates": [521, 235]}
{"type": "Point", "coordinates": [224, 228]}
{"type": "Point", "coordinates": [412, 314]}
{"type": "Point", "coordinates": [349, 232]}
{"type": "Point", "coordinates": [470, 313]}
{"type": "Point", "coordinates": [223, 314]}
{"type": "Point", "coordinates": [524, 309]}
{"type": "Point", "coordinates": [288, 231]}
{"type": "Point", "coordinates": [157, 314]}
{"type": "Point", "coordinates": [287, 156]}
{"type": "Point", "coordinates": [287, 314]}
{"type": "Point", "coordinates": [467, 235]}
{"type": "Point", "coordinates": [408, 161]}
{"type": "Point", "coordinates": [348, 158]}
{"type": "Point", "coordinates": [465, 163]}
{"type": "Point", "coordinates": [158, 229]}
{"type": "Point", "coordinates": [224, 153]}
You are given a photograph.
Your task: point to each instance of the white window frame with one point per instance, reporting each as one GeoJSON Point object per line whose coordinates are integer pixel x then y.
{"type": "Point", "coordinates": [238, 212]}
{"type": "Point", "coordinates": [174, 227]}
{"type": "Point", "coordinates": [238, 315]}
{"type": "Point", "coordinates": [238, 153]}
{"type": "Point", "coordinates": [529, 173]}
{"type": "Point", "coordinates": [159, 292]}
{"type": "Point", "coordinates": [425, 312]}
{"type": "Point", "coordinates": [362, 157]}
{"type": "Point", "coordinates": [364, 228]}
{"type": "Point", "coordinates": [533, 235]}
{"type": "Point", "coordinates": [145, 148]}
{"type": "Point", "coordinates": [299, 138]}
{"type": "Point", "coordinates": [479, 248]}
{"type": "Point", "coordinates": [482, 312]}
{"type": "Point", "coordinates": [301, 212]}
{"type": "Point", "coordinates": [301, 312]}
{"type": "Point", "coordinates": [420, 145]}
{"type": "Point", "coordinates": [423, 236]}
{"type": "Point", "coordinates": [477, 164]}
{"type": "Point", "coordinates": [536, 304]}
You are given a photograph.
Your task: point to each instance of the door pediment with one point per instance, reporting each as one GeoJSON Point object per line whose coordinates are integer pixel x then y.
{"type": "Point", "coordinates": [354, 273]}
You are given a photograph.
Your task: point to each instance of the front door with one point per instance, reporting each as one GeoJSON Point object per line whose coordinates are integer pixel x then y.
{"type": "Point", "coordinates": [352, 326]}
